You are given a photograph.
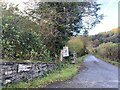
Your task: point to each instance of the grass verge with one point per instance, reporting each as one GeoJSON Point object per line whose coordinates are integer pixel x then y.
{"type": "Point", "coordinates": [113, 62]}
{"type": "Point", "coordinates": [58, 75]}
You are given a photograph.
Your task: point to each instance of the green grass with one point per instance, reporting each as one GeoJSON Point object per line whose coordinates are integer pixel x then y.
{"type": "Point", "coordinates": [113, 62]}
{"type": "Point", "coordinates": [58, 75]}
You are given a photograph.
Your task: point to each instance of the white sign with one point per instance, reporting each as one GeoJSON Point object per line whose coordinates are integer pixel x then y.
{"type": "Point", "coordinates": [65, 51]}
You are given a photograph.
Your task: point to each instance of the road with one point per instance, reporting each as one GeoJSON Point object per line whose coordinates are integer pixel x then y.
{"type": "Point", "coordinates": [91, 75]}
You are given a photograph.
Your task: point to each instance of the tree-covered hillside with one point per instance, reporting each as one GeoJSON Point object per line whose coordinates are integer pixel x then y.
{"type": "Point", "coordinates": [104, 37]}
{"type": "Point", "coordinates": [105, 44]}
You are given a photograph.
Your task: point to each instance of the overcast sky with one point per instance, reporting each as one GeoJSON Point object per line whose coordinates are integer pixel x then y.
{"type": "Point", "coordinates": [109, 8]}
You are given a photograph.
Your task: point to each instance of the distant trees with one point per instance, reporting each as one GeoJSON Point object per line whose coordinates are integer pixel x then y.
{"type": "Point", "coordinates": [105, 44]}
{"type": "Point", "coordinates": [76, 44]}
{"type": "Point", "coordinates": [104, 37]}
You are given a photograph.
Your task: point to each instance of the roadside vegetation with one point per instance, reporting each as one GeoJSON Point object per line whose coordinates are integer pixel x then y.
{"type": "Point", "coordinates": [105, 45]}
{"type": "Point", "coordinates": [41, 31]}
{"type": "Point", "coordinates": [39, 34]}
{"type": "Point", "coordinates": [108, 50]}
{"type": "Point", "coordinates": [60, 74]}
{"type": "Point", "coordinates": [113, 62]}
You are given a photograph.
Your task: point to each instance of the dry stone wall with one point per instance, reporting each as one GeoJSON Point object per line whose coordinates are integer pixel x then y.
{"type": "Point", "coordinates": [16, 71]}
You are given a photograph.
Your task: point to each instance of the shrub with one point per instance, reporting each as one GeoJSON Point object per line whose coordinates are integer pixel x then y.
{"type": "Point", "coordinates": [19, 44]}
{"type": "Point", "coordinates": [108, 50]}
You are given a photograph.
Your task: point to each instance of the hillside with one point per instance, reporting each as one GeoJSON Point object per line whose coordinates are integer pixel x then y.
{"type": "Point", "coordinates": [104, 37]}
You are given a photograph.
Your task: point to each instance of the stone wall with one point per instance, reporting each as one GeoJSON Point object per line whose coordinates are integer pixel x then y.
{"type": "Point", "coordinates": [17, 71]}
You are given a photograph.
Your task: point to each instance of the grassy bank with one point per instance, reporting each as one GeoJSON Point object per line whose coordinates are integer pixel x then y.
{"type": "Point", "coordinates": [113, 62]}
{"type": "Point", "coordinates": [58, 75]}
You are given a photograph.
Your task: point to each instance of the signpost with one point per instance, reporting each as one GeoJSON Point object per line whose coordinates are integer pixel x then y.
{"type": "Point", "coordinates": [64, 53]}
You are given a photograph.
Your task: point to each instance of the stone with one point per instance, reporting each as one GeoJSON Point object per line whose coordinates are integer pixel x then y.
{"type": "Point", "coordinates": [17, 71]}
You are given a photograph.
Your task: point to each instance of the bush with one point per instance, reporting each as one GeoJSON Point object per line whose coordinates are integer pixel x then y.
{"type": "Point", "coordinates": [19, 44]}
{"type": "Point", "coordinates": [108, 50]}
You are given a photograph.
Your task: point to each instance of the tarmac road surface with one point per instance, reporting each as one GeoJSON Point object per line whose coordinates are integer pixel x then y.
{"type": "Point", "coordinates": [94, 73]}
